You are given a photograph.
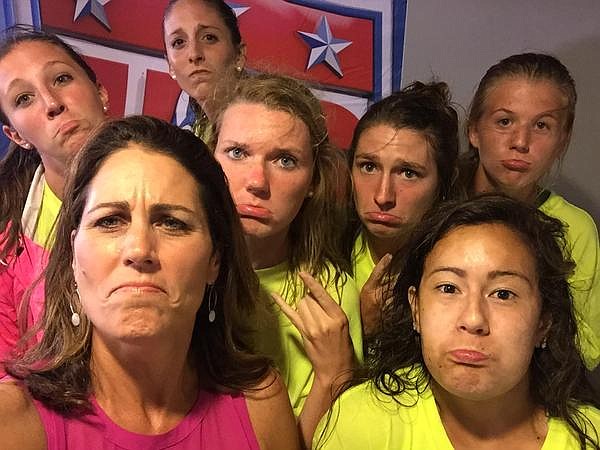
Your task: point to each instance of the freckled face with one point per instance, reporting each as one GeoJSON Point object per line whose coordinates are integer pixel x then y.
{"type": "Point", "coordinates": [395, 179]}
{"type": "Point", "coordinates": [268, 160]}
{"type": "Point", "coordinates": [520, 134]}
{"type": "Point", "coordinates": [477, 310]}
{"type": "Point", "coordinates": [143, 252]}
{"type": "Point", "coordinates": [199, 48]}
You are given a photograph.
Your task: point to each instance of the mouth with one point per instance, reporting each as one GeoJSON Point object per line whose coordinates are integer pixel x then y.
{"type": "Point", "coordinates": [468, 357]}
{"type": "Point", "coordinates": [136, 288]}
{"type": "Point", "coordinates": [516, 165]}
{"type": "Point", "coordinates": [383, 218]}
{"type": "Point", "coordinates": [68, 127]}
{"type": "Point", "coordinates": [254, 212]}
{"type": "Point", "coordinates": [200, 75]}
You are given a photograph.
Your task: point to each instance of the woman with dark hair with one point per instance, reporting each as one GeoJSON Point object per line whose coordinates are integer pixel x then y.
{"type": "Point", "coordinates": [50, 101]}
{"type": "Point", "coordinates": [403, 161]}
{"type": "Point", "coordinates": [478, 346]}
{"type": "Point", "coordinates": [283, 175]}
{"type": "Point", "coordinates": [519, 127]}
{"type": "Point", "coordinates": [204, 47]}
{"type": "Point", "coordinates": [148, 289]}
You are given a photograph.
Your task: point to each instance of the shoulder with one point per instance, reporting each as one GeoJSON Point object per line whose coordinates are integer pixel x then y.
{"type": "Point", "coordinates": [271, 414]}
{"type": "Point", "coordinates": [576, 219]}
{"type": "Point", "coordinates": [20, 424]}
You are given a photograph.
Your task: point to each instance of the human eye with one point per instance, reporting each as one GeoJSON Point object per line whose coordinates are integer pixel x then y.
{"type": "Point", "coordinates": [541, 125]}
{"type": "Point", "coordinates": [23, 99]}
{"type": "Point", "coordinates": [447, 288]}
{"type": "Point", "coordinates": [236, 153]}
{"type": "Point", "coordinates": [210, 37]}
{"type": "Point", "coordinates": [504, 294]}
{"type": "Point", "coordinates": [409, 173]}
{"type": "Point", "coordinates": [109, 223]}
{"type": "Point", "coordinates": [172, 224]}
{"type": "Point", "coordinates": [367, 167]}
{"type": "Point", "coordinates": [63, 78]}
{"type": "Point", "coordinates": [503, 122]}
{"type": "Point", "coordinates": [177, 43]}
{"type": "Point", "coordinates": [287, 161]}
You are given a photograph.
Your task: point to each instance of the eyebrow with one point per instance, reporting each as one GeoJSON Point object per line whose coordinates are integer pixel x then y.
{"type": "Point", "coordinates": [550, 112]}
{"type": "Point", "coordinates": [197, 30]}
{"type": "Point", "coordinates": [20, 80]}
{"type": "Point", "coordinates": [402, 162]}
{"type": "Point", "coordinates": [157, 207]}
{"type": "Point", "coordinates": [491, 275]}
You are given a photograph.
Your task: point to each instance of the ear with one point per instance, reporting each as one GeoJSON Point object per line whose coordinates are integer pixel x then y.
{"type": "Point", "coordinates": [74, 264]}
{"type": "Point", "coordinates": [103, 93]}
{"type": "Point", "coordinates": [171, 71]}
{"type": "Point", "coordinates": [543, 328]}
{"type": "Point", "coordinates": [241, 58]}
{"type": "Point", "coordinates": [14, 136]}
{"type": "Point", "coordinates": [413, 299]}
{"type": "Point", "coordinates": [473, 136]}
{"type": "Point", "coordinates": [214, 264]}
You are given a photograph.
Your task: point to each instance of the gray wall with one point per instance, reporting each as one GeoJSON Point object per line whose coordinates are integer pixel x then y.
{"type": "Point", "coordinates": [457, 40]}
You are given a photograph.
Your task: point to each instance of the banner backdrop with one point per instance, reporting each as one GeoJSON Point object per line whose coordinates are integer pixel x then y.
{"type": "Point", "coordinates": [350, 52]}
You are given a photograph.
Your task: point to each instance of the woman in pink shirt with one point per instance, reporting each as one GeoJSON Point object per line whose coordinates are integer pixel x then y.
{"type": "Point", "coordinates": [147, 291]}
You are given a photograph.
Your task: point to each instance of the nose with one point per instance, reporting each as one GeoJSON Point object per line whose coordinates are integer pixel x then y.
{"type": "Point", "coordinates": [520, 139]}
{"type": "Point", "coordinates": [139, 248]}
{"type": "Point", "coordinates": [474, 317]}
{"type": "Point", "coordinates": [385, 196]}
{"type": "Point", "coordinates": [196, 52]}
{"type": "Point", "coordinates": [257, 180]}
{"type": "Point", "coordinates": [54, 105]}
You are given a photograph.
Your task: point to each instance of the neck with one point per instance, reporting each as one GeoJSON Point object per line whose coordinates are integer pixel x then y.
{"type": "Point", "coordinates": [143, 388]}
{"type": "Point", "coordinates": [267, 252]}
{"type": "Point", "coordinates": [54, 175]}
{"type": "Point", "coordinates": [483, 183]}
{"type": "Point", "coordinates": [379, 247]}
{"type": "Point", "coordinates": [510, 418]}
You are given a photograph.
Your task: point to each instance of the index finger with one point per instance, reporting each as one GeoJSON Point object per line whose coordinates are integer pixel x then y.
{"type": "Point", "coordinates": [288, 311]}
{"type": "Point", "coordinates": [318, 292]}
{"type": "Point", "coordinates": [379, 271]}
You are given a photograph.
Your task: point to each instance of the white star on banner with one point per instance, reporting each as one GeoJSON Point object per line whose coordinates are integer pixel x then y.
{"type": "Point", "coordinates": [238, 9]}
{"type": "Point", "coordinates": [324, 47]}
{"type": "Point", "coordinates": [93, 7]}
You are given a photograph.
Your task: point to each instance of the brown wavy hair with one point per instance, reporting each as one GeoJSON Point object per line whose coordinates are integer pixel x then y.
{"type": "Point", "coordinates": [57, 370]}
{"type": "Point", "coordinates": [19, 165]}
{"type": "Point", "coordinates": [315, 238]}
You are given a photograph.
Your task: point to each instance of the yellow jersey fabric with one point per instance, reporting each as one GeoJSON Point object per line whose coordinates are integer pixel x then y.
{"type": "Point", "coordinates": [44, 229]}
{"type": "Point", "coordinates": [582, 239]}
{"type": "Point", "coordinates": [279, 339]}
{"type": "Point", "coordinates": [362, 261]}
{"type": "Point", "coordinates": [365, 419]}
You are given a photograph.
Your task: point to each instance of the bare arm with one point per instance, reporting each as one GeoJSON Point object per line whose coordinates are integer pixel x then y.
{"type": "Point", "coordinates": [326, 337]}
{"type": "Point", "coordinates": [271, 415]}
{"type": "Point", "coordinates": [20, 424]}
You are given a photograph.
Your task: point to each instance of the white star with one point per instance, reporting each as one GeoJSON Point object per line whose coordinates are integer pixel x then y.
{"type": "Point", "coordinates": [324, 47]}
{"type": "Point", "coordinates": [238, 10]}
{"type": "Point", "coordinates": [93, 7]}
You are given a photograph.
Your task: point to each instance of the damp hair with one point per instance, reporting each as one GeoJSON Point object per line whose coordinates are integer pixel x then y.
{"type": "Point", "coordinates": [426, 108]}
{"type": "Point", "coordinates": [315, 240]}
{"type": "Point", "coordinates": [557, 373]}
{"type": "Point", "coordinates": [18, 166]}
{"type": "Point", "coordinates": [57, 370]}
{"type": "Point", "coordinates": [528, 66]}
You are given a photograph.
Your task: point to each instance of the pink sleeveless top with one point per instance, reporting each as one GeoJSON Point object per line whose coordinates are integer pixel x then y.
{"type": "Point", "coordinates": [216, 421]}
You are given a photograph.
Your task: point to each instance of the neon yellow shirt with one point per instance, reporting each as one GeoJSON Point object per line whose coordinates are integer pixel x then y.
{"type": "Point", "coordinates": [582, 238]}
{"type": "Point", "coordinates": [362, 261]}
{"type": "Point", "coordinates": [44, 229]}
{"type": "Point", "coordinates": [279, 339]}
{"type": "Point", "coordinates": [365, 419]}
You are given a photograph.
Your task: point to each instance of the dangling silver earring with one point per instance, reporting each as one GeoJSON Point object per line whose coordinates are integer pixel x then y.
{"type": "Point", "coordinates": [75, 319]}
{"type": "Point", "coordinates": [212, 302]}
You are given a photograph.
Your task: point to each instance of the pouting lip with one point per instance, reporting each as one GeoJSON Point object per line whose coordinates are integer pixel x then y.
{"type": "Point", "coordinates": [67, 127]}
{"type": "Point", "coordinates": [199, 72]}
{"type": "Point", "coordinates": [383, 218]}
{"type": "Point", "coordinates": [253, 211]}
{"type": "Point", "coordinates": [517, 165]}
{"type": "Point", "coordinates": [139, 285]}
{"type": "Point", "coordinates": [468, 356]}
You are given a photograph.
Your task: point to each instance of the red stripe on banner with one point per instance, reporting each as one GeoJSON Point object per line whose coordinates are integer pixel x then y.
{"type": "Point", "coordinates": [161, 95]}
{"type": "Point", "coordinates": [340, 122]}
{"type": "Point", "coordinates": [113, 76]}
